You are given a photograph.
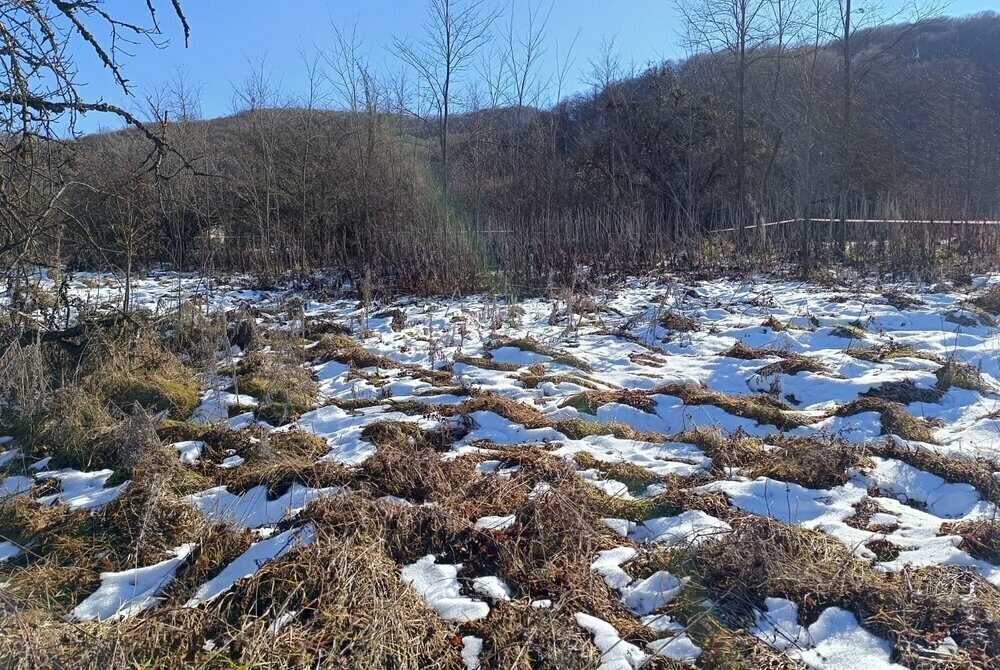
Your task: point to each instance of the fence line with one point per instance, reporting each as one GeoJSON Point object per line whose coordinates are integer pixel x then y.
{"type": "Point", "coordinates": [942, 222]}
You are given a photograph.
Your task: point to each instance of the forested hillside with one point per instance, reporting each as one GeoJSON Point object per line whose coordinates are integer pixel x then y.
{"type": "Point", "coordinates": [637, 168]}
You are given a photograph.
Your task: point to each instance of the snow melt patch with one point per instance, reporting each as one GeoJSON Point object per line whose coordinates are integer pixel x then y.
{"type": "Point", "coordinates": [82, 490]}
{"type": "Point", "coordinates": [472, 647]}
{"type": "Point", "coordinates": [189, 450]}
{"type": "Point", "coordinates": [495, 522]}
{"type": "Point", "coordinates": [123, 594]}
{"type": "Point", "coordinates": [608, 565]}
{"type": "Point", "coordinates": [652, 593]}
{"type": "Point", "coordinates": [8, 550]}
{"type": "Point", "coordinates": [437, 584]}
{"type": "Point", "coordinates": [247, 563]}
{"type": "Point", "coordinates": [836, 641]}
{"type": "Point", "coordinates": [616, 653]}
{"type": "Point", "coordinates": [252, 509]}
{"type": "Point", "coordinates": [687, 528]}
{"type": "Point", "coordinates": [15, 486]}
{"type": "Point", "coordinates": [492, 587]}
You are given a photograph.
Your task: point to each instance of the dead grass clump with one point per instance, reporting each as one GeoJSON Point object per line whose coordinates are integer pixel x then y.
{"type": "Point", "coordinates": [285, 390]}
{"type": "Point", "coordinates": [397, 318]}
{"type": "Point", "coordinates": [635, 477]}
{"type": "Point", "coordinates": [955, 469]}
{"type": "Point", "coordinates": [793, 365]}
{"type": "Point", "coordinates": [533, 345]}
{"type": "Point", "coordinates": [276, 461]}
{"type": "Point", "coordinates": [151, 378]}
{"type": "Point", "coordinates": [315, 328]}
{"type": "Point", "coordinates": [68, 427]}
{"type": "Point", "coordinates": [679, 322]}
{"type": "Point", "coordinates": [487, 363]}
{"type": "Point", "coordinates": [722, 646]}
{"type": "Point", "coordinates": [895, 419]}
{"type": "Point", "coordinates": [774, 324]}
{"type": "Point", "coordinates": [980, 538]}
{"type": "Point", "coordinates": [350, 603]}
{"type": "Point", "coordinates": [989, 301]}
{"type": "Point", "coordinates": [812, 462]}
{"type": "Point", "coordinates": [551, 546]}
{"type": "Point", "coordinates": [790, 363]}
{"type": "Point", "coordinates": [589, 401]}
{"type": "Point", "coordinates": [218, 546]}
{"type": "Point", "coordinates": [971, 316]}
{"type": "Point", "coordinates": [531, 380]}
{"type": "Point", "coordinates": [901, 301]}
{"type": "Point", "coordinates": [343, 349]}
{"type": "Point", "coordinates": [904, 393]}
{"type": "Point", "coordinates": [914, 609]}
{"type": "Point", "coordinates": [25, 522]}
{"type": "Point", "coordinates": [745, 353]}
{"type": "Point", "coordinates": [761, 408]}
{"type": "Point", "coordinates": [521, 637]}
{"type": "Point", "coordinates": [512, 410]}
{"type": "Point", "coordinates": [960, 375]}
{"type": "Point", "coordinates": [763, 558]}
{"type": "Point", "coordinates": [737, 450]}
{"type": "Point", "coordinates": [415, 474]}
{"type": "Point", "coordinates": [780, 326]}
{"type": "Point", "coordinates": [193, 333]}
{"type": "Point", "coordinates": [578, 429]}
{"type": "Point", "coordinates": [883, 353]}
{"type": "Point", "coordinates": [149, 519]}
{"type": "Point", "coordinates": [850, 331]}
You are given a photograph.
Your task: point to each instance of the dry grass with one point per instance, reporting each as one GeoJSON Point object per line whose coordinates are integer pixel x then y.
{"type": "Point", "coordinates": [589, 401]}
{"type": "Point", "coordinates": [883, 353]}
{"type": "Point", "coordinates": [895, 419]}
{"type": "Point", "coordinates": [780, 326]}
{"type": "Point", "coordinates": [989, 301]}
{"type": "Point", "coordinates": [793, 365]}
{"type": "Point", "coordinates": [745, 353]}
{"type": "Point", "coordinates": [635, 477]}
{"type": "Point", "coordinates": [813, 462]}
{"type": "Point", "coordinates": [285, 390]}
{"type": "Point", "coordinates": [280, 459]}
{"type": "Point", "coordinates": [148, 376]}
{"type": "Point", "coordinates": [532, 379]}
{"type": "Point", "coordinates": [971, 316]}
{"type": "Point", "coordinates": [904, 393]}
{"type": "Point", "coordinates": [960, 375]}
{"type": "Point", "coordinates": [763, 409]}
{"type": "Point", "coordinates": [343, 349]}
{"type": "Point", "coordinates": [679, 323]}
{"type": "Point", "coordinates": [917, 608]}
{"type": "Point", "coordinates": [533, 345]}
{"type": "Point", "coordinates": [737, 450]}
{"type": "Point", "coordinates": [978, 473]}
{"type": "Point", "coordinates": [487, 363]}
{"type": "Point", "coordinates": [850, 331]}
{"type": "Point", "coordinates": [980, 538]}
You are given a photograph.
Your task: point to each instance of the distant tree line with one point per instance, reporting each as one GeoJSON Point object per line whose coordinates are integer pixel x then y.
{"type": "Point", "coordinates": [455, 169]}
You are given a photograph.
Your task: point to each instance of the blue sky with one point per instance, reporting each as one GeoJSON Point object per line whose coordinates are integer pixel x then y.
{"type": "Point", "coordinates": [227, 36]}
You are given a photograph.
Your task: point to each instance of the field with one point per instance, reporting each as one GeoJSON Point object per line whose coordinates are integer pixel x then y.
{"type": "Point", "coordinates": [752, 473]}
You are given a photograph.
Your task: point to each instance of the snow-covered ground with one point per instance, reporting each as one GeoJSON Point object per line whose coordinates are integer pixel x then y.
{"type": "Point", "coordinates": [620, 341]}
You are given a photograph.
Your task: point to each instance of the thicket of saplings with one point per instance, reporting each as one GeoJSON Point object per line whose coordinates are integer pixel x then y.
{"type": "Point", "coordinates": [642, 170]}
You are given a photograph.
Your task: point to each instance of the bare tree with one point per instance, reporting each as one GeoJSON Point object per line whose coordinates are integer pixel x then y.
{"type": "Point", "coordinates": [455, 30]}
{"type": "Point", "coordinates": [739, 31]}
{"type": "Point", "coordinates": [522, 55]}
{"type": "Point", "coordinates": [853, 16]}
{"type": "Point", "coordinates": [40, 102]}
